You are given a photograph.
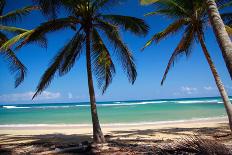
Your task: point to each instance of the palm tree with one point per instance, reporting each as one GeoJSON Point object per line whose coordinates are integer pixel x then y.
{"type": "Point", "coordinates": [219, 28]}
{"type": "Point", "coordinates": [222, 36]}
{"type": "Point", "coordinates": [89, 24]}
{"type": "Point", "coordinates": [192, 18]}
{"type": "Point", "coordinates": [11, 17]}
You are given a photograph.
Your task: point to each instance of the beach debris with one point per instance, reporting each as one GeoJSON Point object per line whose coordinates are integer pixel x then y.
{"type": "Point", "coordinates": [196, 145]}
{"type": "Point", "coordinates": [82, 147]}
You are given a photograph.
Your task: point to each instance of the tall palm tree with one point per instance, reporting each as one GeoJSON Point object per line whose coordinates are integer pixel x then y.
{"type": "Point", "coordinates": [191, 17]}
{"type": "Point", "coordinates": [89, 24]}
{"type": "Point", "coordinates": [222, 36]}
{"type": "Point", "coordinates": [219, 28]}
{"type": "Point", "coordinates": [5, 19]}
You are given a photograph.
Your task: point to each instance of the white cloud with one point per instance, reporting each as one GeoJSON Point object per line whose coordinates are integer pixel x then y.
{"type": "Point", "coordinates": [70, 96]}
{"type": "Point", "coordinates": [208, 88]}
{"type": "Point", "coordinates": [189, 90]}
{"type": "Point", "coordinates": [46, 95]}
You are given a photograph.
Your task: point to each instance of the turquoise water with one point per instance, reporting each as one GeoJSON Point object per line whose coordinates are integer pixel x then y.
{"type": "Point", "coordinates": [113, 112]}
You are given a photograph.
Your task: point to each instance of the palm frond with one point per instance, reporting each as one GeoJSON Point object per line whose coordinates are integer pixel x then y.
{"type": "Point", "coordinates": [173, 8]}
{"type": "Point", "coordinates": [105, 4]}
{"type": "Point", "coordinates": [184, 47]}
{"type": "Point", "coordinates": [16, 15]}
{"type": "Point", "coordinates": [47, 27]}
{"type": "Point", "coordinates": [121, 50]}
{"type": "Point", "coordinates": [102, 64]}
{"type": "Point", "coordinates": [73, 52]}
{"type": "Point", "coordinates": [147, 2]}
{"type": "Point", "coordinates": [12, 29]}
{"type": "Point", "coordinates": [171, 29]}
{"type": "Point", "coordinates": [58, 64]}
{"type": "Point", "coordinates": [15, 66]}
{"type": "Point", "coordinates": [167, 12]}
{"type": "Point", "coordinates": [157, 12]}
{"type": "Point", "coordinates": [49, 73]}
{"type": "Point", "coordinates": [8, 44]}
{"type": "Point", "coordinates": [178, 5]}
{"type": "Point", "coordinates": [133, 24]}
{"type": "Point", "coordinates": [50, 8]}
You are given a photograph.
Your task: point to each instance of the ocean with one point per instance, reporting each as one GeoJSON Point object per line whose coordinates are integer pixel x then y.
{"type": "Point", "coordinates": [117, 112]}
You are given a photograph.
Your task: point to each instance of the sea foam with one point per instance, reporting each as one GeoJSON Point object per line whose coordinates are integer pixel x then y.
{"type": "Point", "coordinates": [15, 107]}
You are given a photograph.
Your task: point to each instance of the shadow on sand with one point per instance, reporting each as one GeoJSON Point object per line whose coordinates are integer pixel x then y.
{"type": "Point", "coordinates": [135, 141]}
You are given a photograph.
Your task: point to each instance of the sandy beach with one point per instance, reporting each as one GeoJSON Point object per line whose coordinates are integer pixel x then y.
{"type": "Point", "coordinates": [37, 139]}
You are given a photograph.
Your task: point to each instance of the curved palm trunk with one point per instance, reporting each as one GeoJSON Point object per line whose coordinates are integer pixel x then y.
{"type": "Point", "coordinates": [222, 36]}
{"type": "Point", "coordinates": [221, 88]}
{"type": "Point", "coordinates": [98, 136]}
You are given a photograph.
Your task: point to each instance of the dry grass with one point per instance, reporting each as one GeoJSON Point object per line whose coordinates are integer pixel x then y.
{"type": "Point", "coordinates": [196, 145]}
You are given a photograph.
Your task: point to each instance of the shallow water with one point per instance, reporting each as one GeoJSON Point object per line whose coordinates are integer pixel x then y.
{"type": "Point", "coordinates": [113, 112]}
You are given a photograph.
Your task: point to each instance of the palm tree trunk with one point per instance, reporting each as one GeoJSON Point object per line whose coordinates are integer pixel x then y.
{"type": "Point", "coordinates": [222, 36]}
{"type": "Point", "coordinates": [221, 88]}
{"type": "Point", "coordinates": [98, 136]}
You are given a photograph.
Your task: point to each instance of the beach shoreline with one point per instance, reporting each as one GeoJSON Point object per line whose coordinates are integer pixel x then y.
{"type": "Point", "coordinates": [134, 124]}
{"type": "Point", "coordinates": [87, 128]}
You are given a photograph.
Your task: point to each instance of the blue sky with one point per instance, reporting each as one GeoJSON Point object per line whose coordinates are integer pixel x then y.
{"type": "Point", "coordinates": [190, 77]}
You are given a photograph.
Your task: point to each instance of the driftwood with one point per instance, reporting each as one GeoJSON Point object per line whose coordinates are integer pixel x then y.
{"type": "Point", "coordinates": [57, 150]}
{"type": "Point", "coordinates": [84, 147]}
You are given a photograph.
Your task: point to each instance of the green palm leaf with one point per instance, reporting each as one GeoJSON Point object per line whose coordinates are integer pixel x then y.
{"type": "Point", "coordinates": [133, 24]}
{"type": "Point", "coordinates": [105, 4]}
{"type": "Point", "coordinates": [73, 52]}
{"type": "Point", "coordinates": [12, 29]}
{"type": "Point", "coordinates": [171, 29]}
{"type": "Point", "coordinates": [146, 2]}
{"type": "Point", "coordinates": [16, 15]}
{"type": "Point", "coordinates": [102, 64]}
{"type": "Point", "coordinates": [16, 67]}
{"type": "Point", "coordinates": [49, 7]}
{"type": "Point", "coordinates": [61, 63]}
{"type": "Point", "coordinates": [184, 47]}
{"type": "Point", "coordinates": [48, 27]}
{"type": "Point", "coordinates": [121, 50]}
{"type": "Point", "coordinates": [8, 44]}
